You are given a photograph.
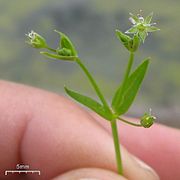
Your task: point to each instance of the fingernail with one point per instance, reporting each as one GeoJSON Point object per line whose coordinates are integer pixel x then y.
{"type": "Point", "coordinates": [146, 167]}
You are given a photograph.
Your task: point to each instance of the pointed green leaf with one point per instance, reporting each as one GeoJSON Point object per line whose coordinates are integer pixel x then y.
{"type": "Point", "coordinates": [152, 29]}
{"type": "Point", "coordinates": [122, 37]}
{"type": "Point", "coordinates": [126, 40]}
{"type": "Point", "coordinates": [149, 18]}
{"type": "Point", "coordinates": [56, 56]}
{"type": "Point", "coordinates": [136, 42]}
{"type": "Point", "coordinates": [132, 30]}
{"type": "Point", "coordinates": [65, 42]}
{"type": "Point", "coordinates": [142, 35]}
{"type": "Point", "coordinates": [87, 101]}
{"type": "Point", "coordinates": [124, 96]}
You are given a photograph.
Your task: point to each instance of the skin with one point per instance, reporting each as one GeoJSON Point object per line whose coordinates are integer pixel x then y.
{"type": "Point", "coordinates": [55, 135]}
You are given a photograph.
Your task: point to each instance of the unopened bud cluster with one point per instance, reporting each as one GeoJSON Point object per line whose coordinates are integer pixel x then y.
{"type": "Point", "coordinates": [65, 50]}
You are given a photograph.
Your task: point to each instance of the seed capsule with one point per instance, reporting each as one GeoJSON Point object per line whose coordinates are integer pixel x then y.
{"type": "Point", "coordinates": [147, 120]}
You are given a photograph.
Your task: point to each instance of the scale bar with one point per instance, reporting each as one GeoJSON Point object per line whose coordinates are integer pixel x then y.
{"type": "Point", "coordinates": [25, 171]}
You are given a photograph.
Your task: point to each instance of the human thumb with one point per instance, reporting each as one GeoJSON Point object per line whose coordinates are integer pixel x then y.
{"type": "Point", "coordinates": [89, 174]}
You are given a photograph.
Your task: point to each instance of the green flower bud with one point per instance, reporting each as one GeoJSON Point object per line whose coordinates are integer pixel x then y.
{"type": "Point", "coordinates": [35, 40]}
{"type": "Point", "coordinates": [66, 44]}
{"type": "Point", "coordinates": [147, 120]}
{"type": "Point", "coordinates": [126, 40]}
{"type": "Point", "coordinates": [64, 52]}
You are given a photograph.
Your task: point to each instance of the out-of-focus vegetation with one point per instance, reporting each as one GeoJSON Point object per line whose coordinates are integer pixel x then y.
{"type": "Point", "coordinates": [91, 26]}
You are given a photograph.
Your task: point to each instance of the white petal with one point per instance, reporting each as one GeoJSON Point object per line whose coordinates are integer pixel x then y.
{"type": "Point", "coordinates": [141, 19]}
{"type": "Point", "coordinates": [132, 20]}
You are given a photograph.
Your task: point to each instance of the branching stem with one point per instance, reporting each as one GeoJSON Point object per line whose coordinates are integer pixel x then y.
{"type": "Point", "coordinates": [51, 49]}
{"type": "Point", "coordinates": [128, 70]}
{"type": "Point", "coordinates": [94, 84]}
{"type": "Point", "coordinates": [128, 122]}
{"type": "Point", "coordinates": [107, 108]}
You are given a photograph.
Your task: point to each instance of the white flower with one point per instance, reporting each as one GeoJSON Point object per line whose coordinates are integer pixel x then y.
{"type": "Point", "coordinates": [35, 40]}
{"type": "Point", "coordinates": [141, 26]}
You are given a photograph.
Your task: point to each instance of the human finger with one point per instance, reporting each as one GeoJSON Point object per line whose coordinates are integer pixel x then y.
{"type": "Point", "coordinates": [158, 146]}
{"type": "Point", "coordinates": [54, 135]}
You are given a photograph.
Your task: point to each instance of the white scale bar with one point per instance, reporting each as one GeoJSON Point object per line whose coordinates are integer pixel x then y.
{"type": "Point", "coordinates": [26, 171]}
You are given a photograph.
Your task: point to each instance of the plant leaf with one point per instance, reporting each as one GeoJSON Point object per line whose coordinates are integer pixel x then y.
{"type": "Point", "coordinates": [152, 29]}
{"type": "Point", "coordinates": [142, 35]}
{"type": "Point", "coordinates": [56, 56]}
{"type": "Point", "coordinates": [126, 40]}
{"type": "Point", "coordinates": [132, 30]}
{"type": "Point", "coordinates": [124, 96]}
{"type": "Point", "coordinates": [149, 18]}
{"type": "Point", "coordinates": [87, 101]}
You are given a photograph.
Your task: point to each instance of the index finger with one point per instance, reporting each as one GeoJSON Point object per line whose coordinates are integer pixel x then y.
{"type": "Point", "coordinates": [31, 133]}
{"type": "Point", "coordinates": [158, 146]}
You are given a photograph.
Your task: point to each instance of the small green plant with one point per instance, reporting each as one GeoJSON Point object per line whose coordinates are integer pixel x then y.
{"type": "Point", "coordinates": [127, 90]}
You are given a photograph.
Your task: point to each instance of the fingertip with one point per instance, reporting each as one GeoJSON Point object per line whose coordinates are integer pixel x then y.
{"type": "Point", "coordinates": [135, 168]}
{"type": "Point", "coordinates": [146, 170]}
{"type": "Point", "coordinates": [89, 174]}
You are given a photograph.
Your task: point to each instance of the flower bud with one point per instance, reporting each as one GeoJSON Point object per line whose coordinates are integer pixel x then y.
{"type": "Point", "coordinates": [35, 40]}
{"type": "Point", "coordinates": [64, 52]}
{"type": "Point", "coordinates": [125, 39]}
{"type": "Point", "coordinates": [66, 46]}
{"type": "Point", "coordinates": [147, 120]}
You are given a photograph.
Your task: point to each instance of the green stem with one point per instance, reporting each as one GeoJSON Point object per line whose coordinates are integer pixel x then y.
{"type": "Point", "coordinates": [117, 146]}
{"type": "Point", "coordinates": [124, 81]}
{"type": "Point", "coordinates": [51, 49]}
{"type": "Point", "coordinates": [128, 122]}
{"type": "Point", "coordinates": [94, 84]}
{"type": "Point", "coordinates": [113, 122]}
{"type": "Point", "coordinates": [128, 70]}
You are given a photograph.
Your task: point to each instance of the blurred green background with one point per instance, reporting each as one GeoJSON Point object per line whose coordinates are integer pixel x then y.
{"type": "Point", "coordinates": [91, 25]}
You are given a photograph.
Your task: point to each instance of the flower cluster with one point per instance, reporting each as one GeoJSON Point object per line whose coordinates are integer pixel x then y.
{"type": "Point", "coordinates": [141, 26]}
{"type": "Point", "coordinates": [140, 29]}
{"type": "Point", "coordinates": [65, 50]}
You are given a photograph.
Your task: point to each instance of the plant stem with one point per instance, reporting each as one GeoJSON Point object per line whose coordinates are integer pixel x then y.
{"type": "Point", "coordinates": [117, 146]}
{"type": "Point", "coordinates": [128, 122]}
{"type": "Point", "coordinates": [94, 84]}
{"type": "Point", "coordinates": [51, 49]}
{"type": "Point", "coordinates": [113, 121]}
{"type": "Point", "coordinates": [124, 81]}
{"type": "Point", "coordinates": [128, 70]}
